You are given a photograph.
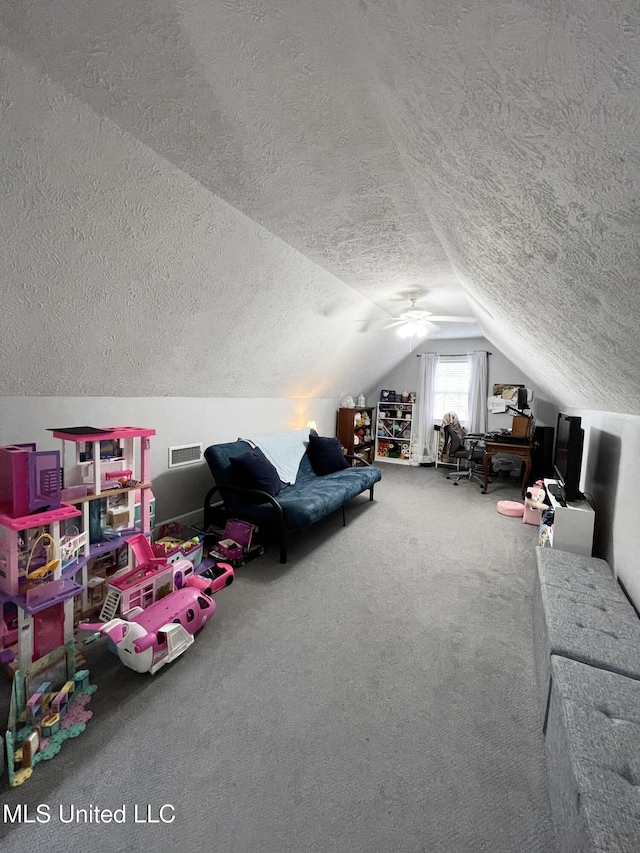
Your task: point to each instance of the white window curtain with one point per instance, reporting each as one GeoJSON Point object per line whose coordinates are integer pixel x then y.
{"type": "Point", "coordinates": [478, 391]}
{"type": "Point", "coordinates": [423, 445]}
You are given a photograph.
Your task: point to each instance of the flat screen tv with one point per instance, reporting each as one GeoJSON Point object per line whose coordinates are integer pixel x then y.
{"type": "Point", "coordinates": [567, 458]}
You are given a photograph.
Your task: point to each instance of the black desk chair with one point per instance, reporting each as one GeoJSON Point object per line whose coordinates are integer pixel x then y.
{"type": "Point", "coordinates": [466, 449]}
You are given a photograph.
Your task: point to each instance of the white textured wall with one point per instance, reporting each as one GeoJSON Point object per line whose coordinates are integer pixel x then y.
{"type": "Point", "coordinates": [395, 145]}
{"type": "Point", "coordinates": [610, 472]}
{"type": "Point", "coordinates": [406, 375]}
{"type": "Point", "coordinates": [123, 276]}
{"type": "Point", "coordinates": [520, 123]}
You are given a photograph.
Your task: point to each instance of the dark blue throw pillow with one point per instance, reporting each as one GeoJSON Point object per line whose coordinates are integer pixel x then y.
{"type": "Point", "coordinates": [253, 470]}
{"type": "Point", "coordinates": [325, 455]}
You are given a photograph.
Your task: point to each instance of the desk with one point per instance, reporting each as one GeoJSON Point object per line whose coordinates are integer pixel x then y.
{"type": "Point", "coordinates": [512, 448]}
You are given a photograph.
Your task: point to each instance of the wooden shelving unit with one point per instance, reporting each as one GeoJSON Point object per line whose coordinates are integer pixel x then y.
{"type": "Point", "coordinates": [355, 431]}
{"type": "Point", "coordinates": [394, 427]}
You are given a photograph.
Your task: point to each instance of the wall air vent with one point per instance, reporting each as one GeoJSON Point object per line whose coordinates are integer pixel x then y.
{"type": "Point", "coordinates": [184, 454]}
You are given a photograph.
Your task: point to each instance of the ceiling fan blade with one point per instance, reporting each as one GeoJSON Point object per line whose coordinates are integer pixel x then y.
{"type": "Point", "coordinates": [379, 325]}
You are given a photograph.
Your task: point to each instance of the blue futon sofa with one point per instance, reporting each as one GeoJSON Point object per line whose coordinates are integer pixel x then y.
{"type": "Point", "coordinates": [294, 506]}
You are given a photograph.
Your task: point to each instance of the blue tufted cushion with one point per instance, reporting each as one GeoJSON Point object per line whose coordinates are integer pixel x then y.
{"type": "Point", "coordinates": [312, 499]}
{"type": "Point", "coordinates": [252, 470]}
{"type": "Point", "coordinates": [325, 455]}
{"type": "Point", "coordinates": [218, 456]}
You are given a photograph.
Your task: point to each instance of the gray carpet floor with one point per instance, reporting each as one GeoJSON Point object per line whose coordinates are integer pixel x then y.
{"type": "Point", "coordinates": [375, 694]}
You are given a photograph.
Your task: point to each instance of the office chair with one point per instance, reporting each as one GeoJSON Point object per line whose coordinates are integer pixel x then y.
{"type": "Point", "coordinates": [464, 450]}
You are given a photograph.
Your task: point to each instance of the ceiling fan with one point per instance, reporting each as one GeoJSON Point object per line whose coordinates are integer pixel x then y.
{"type": "Point", "coordinates": [415, 322]}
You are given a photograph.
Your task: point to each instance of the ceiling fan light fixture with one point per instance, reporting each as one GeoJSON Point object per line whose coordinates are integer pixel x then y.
{"type": "Point", "coordinates": [412, 328]}
{"type": "Point", "coordinates": [415, 315]}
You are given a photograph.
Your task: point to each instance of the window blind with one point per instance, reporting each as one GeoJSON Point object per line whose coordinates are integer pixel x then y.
{"type": "Point", "coordinates": [451, 393]}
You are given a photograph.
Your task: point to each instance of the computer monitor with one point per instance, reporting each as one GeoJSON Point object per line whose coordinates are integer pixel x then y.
{"type": "Point", "coordinates": [523, 399]}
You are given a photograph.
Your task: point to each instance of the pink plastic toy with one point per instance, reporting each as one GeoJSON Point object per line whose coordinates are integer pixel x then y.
{"type": "Point", "coordinates": [152, 578]}
{"type": "Point", "coordinates": [213, 579]}
{"type": "Point", "coordinates": [124, 474]}
{"type": "Point", "coordinates": [29, 479]}
{"type": "Point", "coordinates": [534, 503]}
{"type": "Point", "coordinates": [148, 639]}
{"type": "Point", "coordinates": [236, 539]}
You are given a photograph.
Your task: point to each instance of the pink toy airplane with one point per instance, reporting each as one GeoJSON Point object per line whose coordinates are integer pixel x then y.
{"type": "Point", "coordinates": [147, 639]}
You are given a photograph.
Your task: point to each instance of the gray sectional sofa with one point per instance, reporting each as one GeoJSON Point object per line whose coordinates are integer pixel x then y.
{"type": "Point", "coordinates": [587, 656]}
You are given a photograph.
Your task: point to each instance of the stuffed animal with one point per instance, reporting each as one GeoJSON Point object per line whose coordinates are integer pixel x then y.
{"type": "Point", "coordinates": [536, 495]}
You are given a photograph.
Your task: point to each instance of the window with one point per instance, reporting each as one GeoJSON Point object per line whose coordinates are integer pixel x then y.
{"type": "Point", "coordinates": [451, 392]}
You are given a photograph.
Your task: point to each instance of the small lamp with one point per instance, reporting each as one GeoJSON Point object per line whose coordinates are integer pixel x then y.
{"type": "Point", "coordinates": [312, 425]}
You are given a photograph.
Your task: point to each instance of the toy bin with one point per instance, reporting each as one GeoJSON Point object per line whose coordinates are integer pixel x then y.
{"type": "Point", "coordinates": [177, 549]}
{"type": "Point", "coordinates": [236, 539]}
{"type": "Point", "coordinates": [175, 544]}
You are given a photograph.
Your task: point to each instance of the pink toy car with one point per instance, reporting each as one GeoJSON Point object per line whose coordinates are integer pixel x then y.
{"type": "Point", "coordinates": [212, 579]}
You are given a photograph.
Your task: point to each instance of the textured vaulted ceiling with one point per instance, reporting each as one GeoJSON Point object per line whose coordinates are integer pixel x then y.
{"type": "Point", "coordinates": [201, 198]}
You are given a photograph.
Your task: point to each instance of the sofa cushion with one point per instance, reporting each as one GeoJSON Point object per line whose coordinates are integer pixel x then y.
{"type": "Point", "coordinates": [355, 480]}
{"type": "Point", "coordinates": [252, 470]}
{"type": "Point", "coordinates": [304, 505]}
{"type": "Point", "coordinates": [218, 456]}
{"type": "Point", "coordinates": [325, 455]}
{"type": "Point", "coordinates": [310, 500]}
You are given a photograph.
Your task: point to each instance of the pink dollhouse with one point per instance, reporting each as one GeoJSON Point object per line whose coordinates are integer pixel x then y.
{"type": "Point", "coordinates": [55, 541]}
{"type": "Point", "coordinates": [62, 520]}
{"type": "Point", "coordinates": [31, 579]}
